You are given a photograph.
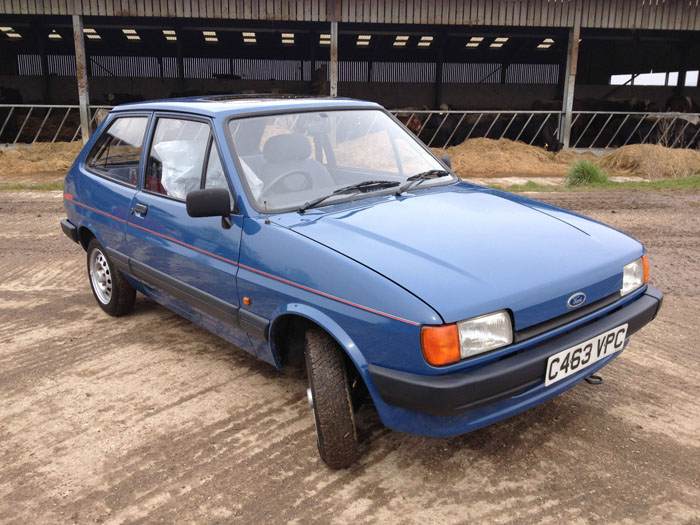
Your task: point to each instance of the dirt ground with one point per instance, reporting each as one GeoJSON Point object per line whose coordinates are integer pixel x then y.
{"type": "Point", "coordinates": [148, 418]}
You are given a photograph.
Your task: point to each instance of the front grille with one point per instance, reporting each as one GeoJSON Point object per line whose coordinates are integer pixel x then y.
{"type": "Point", "coordinates": [552, 324]}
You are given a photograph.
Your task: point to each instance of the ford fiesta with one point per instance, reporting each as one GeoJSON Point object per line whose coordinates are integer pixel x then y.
{"type": "Point", "coordinates": [322, 231]}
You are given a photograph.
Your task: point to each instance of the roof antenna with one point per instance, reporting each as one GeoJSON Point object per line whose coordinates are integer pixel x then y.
{"type": "Point", "coordinates": [267, 218]}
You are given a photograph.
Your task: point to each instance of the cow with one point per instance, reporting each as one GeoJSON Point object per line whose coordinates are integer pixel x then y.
{"type": "Point", "coordinates": [409, 119]}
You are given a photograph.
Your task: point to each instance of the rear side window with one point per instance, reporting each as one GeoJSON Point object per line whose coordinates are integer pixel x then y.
{"type": "Point", "coordinates": [117, 152]}
{"type": "Point", "coordinates": [176, 159]}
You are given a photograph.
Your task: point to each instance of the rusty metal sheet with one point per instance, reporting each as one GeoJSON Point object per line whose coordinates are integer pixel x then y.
{"type": "Point", "coordinates": [666, 20]}
{"type": "Point", "coordinates": [650, 18]}
{"type": "Point", "coordinates": [618, 14]}
{"type": "Point", "coordinates": [678, 15]}
{"type": "Point", "coordinates": [694, 18]}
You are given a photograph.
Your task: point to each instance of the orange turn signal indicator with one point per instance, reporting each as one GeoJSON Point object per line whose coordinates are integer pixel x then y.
{"type": "Point", "coordinates": [440, 344]}
{"type": "Point", "coordinates": [645, 263]}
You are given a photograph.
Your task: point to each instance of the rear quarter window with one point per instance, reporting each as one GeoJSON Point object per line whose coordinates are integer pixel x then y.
{"type": "Point", "coordinates": [117, 152]}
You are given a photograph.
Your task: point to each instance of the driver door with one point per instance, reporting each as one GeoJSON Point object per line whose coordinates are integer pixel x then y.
{"type": "Point", "coordinates": [190, 263]}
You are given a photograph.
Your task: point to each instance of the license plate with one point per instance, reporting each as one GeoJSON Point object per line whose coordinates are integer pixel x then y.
{"type": "Point", "coordinates": [571, 360]}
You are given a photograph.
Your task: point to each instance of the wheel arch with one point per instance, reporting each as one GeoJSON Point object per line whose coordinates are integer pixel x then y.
{"type": "Point", "coordinates": [85, 235]}
{"type": "Point", "coordinates": [287, 331]}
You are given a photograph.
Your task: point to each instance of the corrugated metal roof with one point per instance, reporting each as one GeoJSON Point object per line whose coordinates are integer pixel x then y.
{"type": "Point", "coordinates": [613, 14]}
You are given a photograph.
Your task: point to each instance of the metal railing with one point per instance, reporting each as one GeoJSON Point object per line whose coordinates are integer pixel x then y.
{"type": "Point", "coordinates": [589, 129]}
{"type": "Point", "coordinates": [449, 128]}
{"type": "Point", "coordinates": [614, 129]}
{"type": "Point", "coordinates": [30, 123]}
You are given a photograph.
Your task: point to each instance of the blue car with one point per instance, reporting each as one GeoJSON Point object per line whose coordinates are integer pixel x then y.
{"type": "Point", "coordinates": [321, 231]}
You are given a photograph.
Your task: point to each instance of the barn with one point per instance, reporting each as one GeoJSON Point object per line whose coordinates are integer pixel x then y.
{"type": "Point", "coordinates": [585, 74]}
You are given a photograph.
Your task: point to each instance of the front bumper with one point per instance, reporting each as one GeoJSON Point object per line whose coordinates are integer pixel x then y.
{"type": "Point", "coordinates": [457, 393]}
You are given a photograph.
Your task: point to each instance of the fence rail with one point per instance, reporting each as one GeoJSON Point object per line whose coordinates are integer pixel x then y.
{"type": "Point", "coordinates": [27, 123]}
{"type": "Point", "coordinates": [589, 129]}
{"type": "Point", "coordinates": [30, 123]}
{"type": "Point", "coordinates": [449, 128]}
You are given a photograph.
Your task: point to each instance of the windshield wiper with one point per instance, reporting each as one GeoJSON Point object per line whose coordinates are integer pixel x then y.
{"type": "Point", "coordinates": [416, 179]}
{"type": "Point", "coordinates": [361, 187]}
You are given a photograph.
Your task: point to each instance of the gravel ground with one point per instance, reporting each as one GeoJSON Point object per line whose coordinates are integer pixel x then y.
{"type": "Point", "coordinates": [148, 418]}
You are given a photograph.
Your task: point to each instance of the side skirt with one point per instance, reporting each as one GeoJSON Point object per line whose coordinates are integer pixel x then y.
{"type": "Point", "coordinates": [221, 313]}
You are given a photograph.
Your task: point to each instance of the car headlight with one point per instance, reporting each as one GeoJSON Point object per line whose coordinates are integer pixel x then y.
{"type": "Point", "coordinates": [634, 275]}
{"type": "Point", "coordinates": [484, 333]}
{"type": "Point", "coordinates": [447, 344]}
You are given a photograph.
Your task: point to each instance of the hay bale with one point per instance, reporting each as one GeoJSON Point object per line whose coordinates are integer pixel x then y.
{"type": "Point", "coordinates": [489, 157]}
{"type": "Point", "coordinates": [652, 161]}
{"type": "Point", "coordinates": [40, 157]}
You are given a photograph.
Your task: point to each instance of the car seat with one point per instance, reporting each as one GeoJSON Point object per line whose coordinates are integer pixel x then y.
{"type": "Point", "coordinates": [292, 152]}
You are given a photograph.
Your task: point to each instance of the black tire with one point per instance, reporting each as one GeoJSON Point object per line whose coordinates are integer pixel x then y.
{"type": "Point", "coordinates": [331, 400]}
{"type": "Point", "coordinates": [111, 290]}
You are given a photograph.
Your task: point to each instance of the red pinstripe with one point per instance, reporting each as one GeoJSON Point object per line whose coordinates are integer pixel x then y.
{"type": "Point", "coordinates": [329, 296]}
{"type": "Point", "coordinates": [69, 197]}
{"type": "Point", "coordinates": [184, 244]}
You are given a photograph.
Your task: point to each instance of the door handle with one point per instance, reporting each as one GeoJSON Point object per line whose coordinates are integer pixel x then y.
{"type": "Point", "coordinates": [141, 209]}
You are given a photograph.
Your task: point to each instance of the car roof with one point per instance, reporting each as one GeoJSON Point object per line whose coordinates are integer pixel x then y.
{"type": "Point", "coordinates": [225, 105]}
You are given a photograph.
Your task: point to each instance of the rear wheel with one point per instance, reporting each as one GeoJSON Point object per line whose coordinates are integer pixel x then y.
{"type": "Point", "coordinates": [111, 290]}
{"type": "Point", "coordinates": [330, 400]}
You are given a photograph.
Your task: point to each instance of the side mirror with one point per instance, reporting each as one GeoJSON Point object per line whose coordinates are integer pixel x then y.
{"type": "Point", "coordinates": [212, 202]}
{"type": "Point", "coordinates": [446, 160]}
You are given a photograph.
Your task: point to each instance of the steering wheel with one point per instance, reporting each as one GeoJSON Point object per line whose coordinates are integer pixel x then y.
{"type": "Point", "coordinates": [308, 181]}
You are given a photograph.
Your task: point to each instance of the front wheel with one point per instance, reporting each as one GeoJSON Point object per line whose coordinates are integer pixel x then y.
{"type": "Point", "coordinates": [330, 400]}
{"type": "Point", "coordinates": [111, 290]}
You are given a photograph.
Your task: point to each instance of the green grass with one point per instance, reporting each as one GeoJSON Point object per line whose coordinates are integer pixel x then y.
{"type": "Point", "coordinates": [37, 187]}
{"type": "Point", "coordinates": [688, 183]}
{"type": "Point", "coordinates": [585, 173]}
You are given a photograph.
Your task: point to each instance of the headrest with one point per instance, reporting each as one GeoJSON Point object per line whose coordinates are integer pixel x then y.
{"type": "Point", "coordinates": [283, 148]}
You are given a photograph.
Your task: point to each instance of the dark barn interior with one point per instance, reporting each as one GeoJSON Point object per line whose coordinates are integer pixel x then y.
{"type": "Point", "coordinates": [461, 55]}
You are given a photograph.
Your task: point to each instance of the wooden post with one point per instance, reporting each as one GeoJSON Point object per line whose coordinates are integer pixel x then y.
{"type": "Point", "coordinates": [570, 79]}
{"type": "Point", "coordinates": [334, 59]}
{"type": "Point", "coordinates": [81, 76]}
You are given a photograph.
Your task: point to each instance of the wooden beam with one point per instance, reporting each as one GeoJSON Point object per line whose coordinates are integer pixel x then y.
{"type": "Point", "coordinates": [81, 76]}
{"type": "Point", "coordinates": [334, 59]}
{"type": "Point", "coordinates": [570, 80]}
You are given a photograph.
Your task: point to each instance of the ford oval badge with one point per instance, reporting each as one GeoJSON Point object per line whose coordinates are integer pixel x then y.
{"type": "Point", "coordinates": [576, 300]}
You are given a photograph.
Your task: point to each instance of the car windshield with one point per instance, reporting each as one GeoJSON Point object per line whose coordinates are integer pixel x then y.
{"type": "Point", "coordinates": [291, 160]}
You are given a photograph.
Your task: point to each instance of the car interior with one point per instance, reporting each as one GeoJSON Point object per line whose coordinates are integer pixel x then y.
{"type": "Point", "coordinates": [287, 164]}
{"type": "Point", "coordinates": [117, 153]}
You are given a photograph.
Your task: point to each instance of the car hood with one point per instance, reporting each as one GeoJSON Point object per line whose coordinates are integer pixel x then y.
{"type": "Point", "coordinates": [467, 250]}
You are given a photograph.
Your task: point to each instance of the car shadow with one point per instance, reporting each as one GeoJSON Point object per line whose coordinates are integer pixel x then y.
{"type": "Point", "coordinates": [510, 440]}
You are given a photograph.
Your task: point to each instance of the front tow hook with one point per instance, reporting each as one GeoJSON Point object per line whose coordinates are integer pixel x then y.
{"type": "Point", "coordinates": [594, 380]}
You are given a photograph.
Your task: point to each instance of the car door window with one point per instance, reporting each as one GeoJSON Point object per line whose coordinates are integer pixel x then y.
{"type": "Point", "coordinates": [177, 156]}
{"type": "Point", "coordinates": [117, 152]}
{"type": "Point", "coordinates": [214, 176]}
